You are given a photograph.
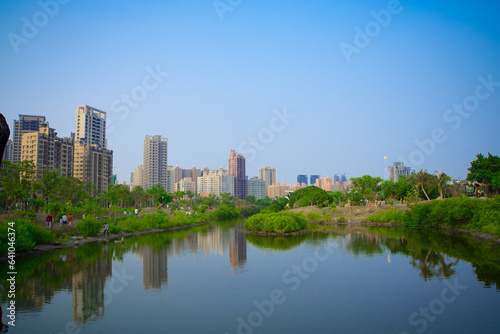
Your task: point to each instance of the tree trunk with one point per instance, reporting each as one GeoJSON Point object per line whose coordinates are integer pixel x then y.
{"type": "Point", "coordinates": [425, 192]}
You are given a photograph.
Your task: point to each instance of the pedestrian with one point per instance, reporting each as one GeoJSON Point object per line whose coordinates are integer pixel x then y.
{"type": "Point", "coordinates": [48, 220]}
{"type": "Point", "coordinates": [70, 219]}
{"type": "Point", "coordinates": [106, 229]}
{"type": "Point", "coordinates": [65, 219]}
{"type": "Point", "coordinates": [136, 212]}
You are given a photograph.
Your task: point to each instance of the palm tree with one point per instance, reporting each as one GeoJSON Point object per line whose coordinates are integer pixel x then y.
{"type": "Point", "coordinates": [422, 179]}
{"type": "Point", "coordinates": [442, 180]}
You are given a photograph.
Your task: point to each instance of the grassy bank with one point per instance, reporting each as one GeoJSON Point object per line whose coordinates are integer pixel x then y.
{"type": "Point", "coordinates": [28, 234]}
{"type": "Point", "coordinates": [482, 215]}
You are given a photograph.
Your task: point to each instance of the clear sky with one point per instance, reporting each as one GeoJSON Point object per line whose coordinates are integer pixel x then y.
{"type": "Point", "coordinates": [309, 87]}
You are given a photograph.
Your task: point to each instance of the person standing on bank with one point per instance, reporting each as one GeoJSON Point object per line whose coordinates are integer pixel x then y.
{"type": "Point", "coordinates": [106, 229]}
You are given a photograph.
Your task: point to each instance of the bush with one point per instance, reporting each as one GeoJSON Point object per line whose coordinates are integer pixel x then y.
{"type": "Point", "coordinates": [388, 216]}
{"type": "Point", "coordinates": [341, 219]}
{"type": "Point", "coordinates": [279, 222]}
{"type": "Point", "coordinates": [312, 216]}
{"type": "Point", "coordinates": [89, 226]}
{"type": "Point", "coordinates": [27, 235]}
{"type": "Point", "coordinates": [309, 196]}
{"type": "Point", "coordinates": [226, 211]}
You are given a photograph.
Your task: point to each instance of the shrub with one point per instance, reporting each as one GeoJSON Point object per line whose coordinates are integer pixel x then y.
{"type": "Point", "coordinates": [89, 226]}
{"type": "Point", "coordinates": [279, 222]}
{"type": "Point", "coordinates": [27, 235]}
{"type": "Point", "coordinates": [312, 216]}
{"type": "Point", "coordinates": [388, 216]}
{"type": "Point", "coordinates": [341, 219]}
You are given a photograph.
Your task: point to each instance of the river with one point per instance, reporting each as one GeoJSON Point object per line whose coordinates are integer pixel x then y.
{"type": "Point", "coordinates": [216, 279]}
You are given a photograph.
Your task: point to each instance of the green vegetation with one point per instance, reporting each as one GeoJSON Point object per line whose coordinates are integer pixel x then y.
{"type": "Point", "coordinates": [309, 196]}
{"type": "Point", "coordinates": [487, 172]}
{"type": "Point", "coordinates": [312, 216]}
{"type": "Point", "coordinates": [278, 222]}
{"type": "Point", "coordinates": [89, 226]}
{"type": "Point", "coordinates": [465, 213]}
{"type": "Point", "coordinates": [388, 216]}
{"type": "Point", "coordinates": [27, 235]}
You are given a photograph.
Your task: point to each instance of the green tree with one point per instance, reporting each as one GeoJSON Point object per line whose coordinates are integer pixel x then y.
{"type": "Point", "coordinates": [48, 183]}
{"type": "Point", "coordinates": [421, 179]}
{"type": "Point", "coordinates": [16, 183]}
{"type": "Point", "coordinates": [309, 196]}
{"type": "Point", "coordinates": [486, 170]}
{"type": "Point", "coordinates": [442, 180]}
{"type": "Point", "coordinates": [368, 186]}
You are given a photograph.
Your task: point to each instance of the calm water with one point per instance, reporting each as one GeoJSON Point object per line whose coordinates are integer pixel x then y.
{"type": "Point", "coordinates": [215, 279]}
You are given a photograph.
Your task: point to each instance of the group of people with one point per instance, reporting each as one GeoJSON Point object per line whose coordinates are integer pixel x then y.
{"type": "Point", "coordinates": [65, 220]}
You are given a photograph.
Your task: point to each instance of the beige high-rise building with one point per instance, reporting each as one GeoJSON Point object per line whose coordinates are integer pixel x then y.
{"type": "Point", "coordinates": [155, 162]}
{"type": "Point", "coordinates": [90, 126]}
{"type": "Point", "coordinates": [278, 190]}
{"type": "Point", "coordinates": [93, 164]}
{"type": "Point", "coordinates": [268, 174]}
{"type": "Point", "coordinates": [136, 178]}
{"type": "Point", "coordinates": [216, 182]}
{"type": "Point", "coordinates": [47, 151]}
{"type": "Point", "coordinates": [25, 124]}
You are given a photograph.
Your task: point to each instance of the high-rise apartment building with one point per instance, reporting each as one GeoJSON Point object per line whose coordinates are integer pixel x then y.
{"type": "Point", "coordinates": [170, 180]}
{"type": "Point", "coordinates": [278, 190]}
{"type": "Point", "coordinates": [8, 153]}
{"type": "Point", "coordinates": [186, 184]}
{"type": "Point", "coordinates": [216, 182]}
{"type": "Point", "coordinates": [398, 169]}
{"type": "Point", "coordinates": [268, 174]}
{"type": "Point", "coordinates": [93, 164]}
{"type": "Point", "coordinates": [47, 151]}
{"type": "Point", "coordinates": [25, 124]}
{"type": "Point", "coordinates": [136, 178]}
{"type": "Point", "coordinates": [302, 179]}
{"type": "Point", "coordinates": [90, 126]}
{"type": "Point", "coordinates": [257, 188]}
{"type": "Point", "coordinates": [313, 179]}
{"type": "Point", "coordinates": [343, 178]}
{"type": "Point", "coordinates": [237, 169]}
{"type": "Point", "coordinates": [155, 162]}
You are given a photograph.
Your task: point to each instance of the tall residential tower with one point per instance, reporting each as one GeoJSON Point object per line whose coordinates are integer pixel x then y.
{"type": "Point", "coordinates": [237, 169]}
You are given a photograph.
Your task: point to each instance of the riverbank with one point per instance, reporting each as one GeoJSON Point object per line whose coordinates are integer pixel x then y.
{"type": "Point", "coordinates": [76, 241]}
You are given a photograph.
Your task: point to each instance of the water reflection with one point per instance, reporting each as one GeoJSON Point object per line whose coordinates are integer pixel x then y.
{"type": "Point", "coordinates": [85, 271]}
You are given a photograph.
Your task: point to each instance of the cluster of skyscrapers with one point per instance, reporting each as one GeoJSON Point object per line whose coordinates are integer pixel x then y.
{"type": "Point", "coordinates": [83, 155]}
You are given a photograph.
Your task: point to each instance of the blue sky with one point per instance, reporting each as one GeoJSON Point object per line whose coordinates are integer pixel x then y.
{"type": "Point", "coordinates": [230, 72]}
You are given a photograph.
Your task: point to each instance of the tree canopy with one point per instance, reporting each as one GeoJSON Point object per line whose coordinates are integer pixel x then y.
{"type": "Point", "coordinates": [309, 196]}
{"type": "Point", "coordinates": [486, 170]}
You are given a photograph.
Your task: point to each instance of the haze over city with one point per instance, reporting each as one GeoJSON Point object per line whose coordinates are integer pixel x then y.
{"type": "Point", "coordinates": [307, 87]}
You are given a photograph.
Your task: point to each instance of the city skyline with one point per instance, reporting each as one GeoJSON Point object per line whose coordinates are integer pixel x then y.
{"type": "Point", "coordinates": [418, 82]}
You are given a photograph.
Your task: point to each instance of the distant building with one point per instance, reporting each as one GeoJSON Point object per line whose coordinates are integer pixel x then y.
{"type": "Point", "coordinates": [278, 190]}
{"type": "Point", "coordinates": [8, 153]}
{"type": "Point", "coordinates": [302, 179]}
{"type": "Point", "coordinates": [90, 126]}
{"type": "Point", "coordinates": [237, 168]}
{"type": "Point", "coordinates": [336, 178]}
{"type": "Point", "coordinates": [298, 186]}
{"type": "Point", "coordinates": [25, 124]}
{"type": "Point", "coordinates": [93, 164]}
{"type": "Point", "coordinates": [136, 178]}
{"type": "Point", "coordinates": [216, 182]}
{"type": "Point", "coordinates": [155, 162]}
{"type": "Point", "coordinates": [185, 185]}
{"type": "Point", "coordinates": [313, 179]}
{"type": "Point", "coordinates": [268, 174]}
{"type": "Point", "coordinates": [170, 180]}
{"type": "Point", "coordinates": [47, 151]}
{"type": "Point", "coordinates": [343, 178]}
{"type": "Point", "coordinates": [257, 188]}
{"type": "Point", "coordinates": [398, 169]}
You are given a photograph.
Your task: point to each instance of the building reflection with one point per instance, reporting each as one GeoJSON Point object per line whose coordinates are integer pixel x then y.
{"type": "Point", "coordinates": [88, 289]}
{"type": "Point", "coordinates": [216, 240]}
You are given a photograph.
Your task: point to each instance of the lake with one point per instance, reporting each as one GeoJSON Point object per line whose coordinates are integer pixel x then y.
{"type": "Point", "coordinates": [216, 279]}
